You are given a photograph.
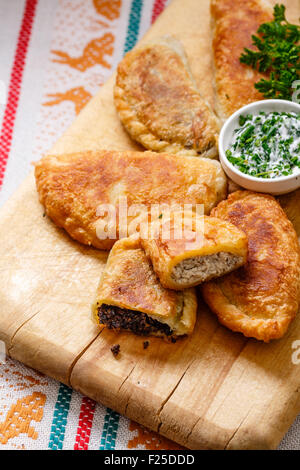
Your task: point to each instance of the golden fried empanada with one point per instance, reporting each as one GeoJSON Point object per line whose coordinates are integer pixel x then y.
{"type": "Point", "coordinates": [158, 102]}
{"type": "Point", "coordinates": [260, 299]}
{"type": "Point", "coordinates": [233, 23]}
{"type": "Point", "coordinates": [131, 298]}
{"type": "Point", "coordinates": [187, 249]}
{"type": "Point", "coordinates": [72, 188]}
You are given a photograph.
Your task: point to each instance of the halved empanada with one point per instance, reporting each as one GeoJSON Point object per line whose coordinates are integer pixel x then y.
{"type": "Point", "coordinates": [187, 249]}
{"type": "Point", "coordinates": [131, 298]}
{"type": "Point", "coordinates": [159, 104]}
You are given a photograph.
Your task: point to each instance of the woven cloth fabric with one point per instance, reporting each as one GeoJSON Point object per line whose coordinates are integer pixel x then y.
{"type": "Point", "coordinates": [54, 56]}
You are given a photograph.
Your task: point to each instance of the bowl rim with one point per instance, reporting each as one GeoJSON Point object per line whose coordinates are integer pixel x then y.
{"type": "Point", "coordinates": [223, 133]}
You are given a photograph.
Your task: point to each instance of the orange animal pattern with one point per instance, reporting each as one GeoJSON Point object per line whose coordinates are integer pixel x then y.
{"type": "Point", "coordinates": [93, 54]}
{"type": "Point", "coordinates": [79, 96]}
{"type": "Point", "coordinates": [25, 381]}
{"type": "Point", "coordinates": [150, 440]}
{"type": "Point", "coordinates": [20, 415]}
{"type": "Point", "coordinates": [108, 8]}
{"type": "Point", "coordinates": [84, 40]}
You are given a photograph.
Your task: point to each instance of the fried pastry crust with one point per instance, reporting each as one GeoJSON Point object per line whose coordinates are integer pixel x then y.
{"type": "Point", "coordinates": [72, 186]}
{"type": "Point", "coordinates": [291, 206]}
{"type": "Point", "coordinates": [233, 23]}
{"type": "Point", "coordinates": [129, 283]}
{"type": "Point", "coordinates": [158, 102]}
{"type": "Point", "coordinates": [262, 298]}
{"type": "Point", "coordinates": [183, 240]}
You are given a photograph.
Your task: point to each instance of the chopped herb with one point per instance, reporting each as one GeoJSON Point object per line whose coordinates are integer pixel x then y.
{"type": "Point", "coordinates": [145, 344]}
{"type": "Point", "coordinates": [267, 147]}
{"type": "Point", "coordinates": [278, 54]}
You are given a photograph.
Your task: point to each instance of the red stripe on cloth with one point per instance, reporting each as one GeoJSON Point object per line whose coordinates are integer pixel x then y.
{"type": "Point", "coordinates": [85, 423]}
{"type": "Point", "coordinates": [158, 7]}
{"type": "Point", "coordinates": [15, 82]}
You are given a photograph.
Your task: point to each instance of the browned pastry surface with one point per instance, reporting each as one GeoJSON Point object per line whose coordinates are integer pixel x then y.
{"type": "Point", "coordinates": [159, 104]}
{"type": "Point", "coordinates": [72, 186]}
{"type": "Point", "coordinates": [262, 298]}
{"type": "Point", "coordinates": [196, 248]}
{"type": "Point", "coordinates": [233, 23]}
{"type": "Point", "coordinates": [291, 206]}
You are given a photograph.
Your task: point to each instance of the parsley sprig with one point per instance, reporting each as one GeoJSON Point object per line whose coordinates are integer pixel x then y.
{"type": "Point", "coordinates": [278, 53]}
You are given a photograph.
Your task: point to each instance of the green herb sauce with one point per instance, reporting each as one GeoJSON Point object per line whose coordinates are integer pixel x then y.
{"type": "Point", "coordinates": [267, 145]}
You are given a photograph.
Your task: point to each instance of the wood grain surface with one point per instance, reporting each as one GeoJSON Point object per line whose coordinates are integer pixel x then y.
{"type": "Point", "coordinates": [214, 390]}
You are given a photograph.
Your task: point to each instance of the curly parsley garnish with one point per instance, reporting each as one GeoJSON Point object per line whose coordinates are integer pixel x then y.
{"type": "Point", "coordinates": [278, 53]}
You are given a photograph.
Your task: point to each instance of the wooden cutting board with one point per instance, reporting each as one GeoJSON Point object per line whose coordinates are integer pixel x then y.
{"type": "Point", "coordinates": [216, 389]}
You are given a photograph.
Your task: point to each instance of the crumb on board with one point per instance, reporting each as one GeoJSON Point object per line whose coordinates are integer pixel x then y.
{"type": "Point", "coordinates": [145, 344]}
{"type": "Point", "coordinates": [115, 349]}
{"type": "Point", "coordinates": [173, 340]}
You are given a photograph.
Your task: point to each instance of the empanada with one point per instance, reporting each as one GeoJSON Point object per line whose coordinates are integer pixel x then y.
{"type": "Point", "coordinates": [159, 104]}
{"type": "Point", "coordinates": [187, 249]}
{"type": "Point", "coordinates": [74, 188]}
{"type": "Point", "coordinates": [131, 298]}
{"type": "Point", "coordinates": [260, 299]}
{"type": "Point", "coordinates": [233, 23]}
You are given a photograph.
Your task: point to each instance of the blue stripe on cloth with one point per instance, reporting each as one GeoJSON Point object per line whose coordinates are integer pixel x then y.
{"type": "Point", "coordinates": [134, 24]}
{"type": "Point", "coordinates": [60, 416]}
{"type": "Point", "coordinates": [110, 430]}
{"type": "Point", "coordinates": [111, 420]}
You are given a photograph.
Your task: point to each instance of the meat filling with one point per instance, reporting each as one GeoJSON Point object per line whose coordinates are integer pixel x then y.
{"type": "Point", "coordinates": [116, 318]}
{"type": "Point", "coordinates": [204, 268]}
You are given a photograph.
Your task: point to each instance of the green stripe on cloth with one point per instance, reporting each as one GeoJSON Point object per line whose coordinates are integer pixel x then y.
{"type": "Point", "coordinates": [60, 417]}
{"type": "Point", "coordinates": [110, 430]}
{"type": "Point", "coordinates": [134, 24]}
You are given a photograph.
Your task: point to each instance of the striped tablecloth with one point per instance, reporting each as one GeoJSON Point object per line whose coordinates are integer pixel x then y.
{"type": "Point", "coordinates": [54, 54]}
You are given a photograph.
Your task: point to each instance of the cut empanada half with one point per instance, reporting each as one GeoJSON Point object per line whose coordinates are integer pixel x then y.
{"type": "Point", "coordinates": [159, 104]}
{"type": "Point", "coordinates": [188, 249]}
{"type": "Point", "coordinates": [131, 298]}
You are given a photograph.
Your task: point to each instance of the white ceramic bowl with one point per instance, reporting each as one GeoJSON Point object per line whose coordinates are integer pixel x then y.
{"type": "Point", "coordinates": [279, 185]}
